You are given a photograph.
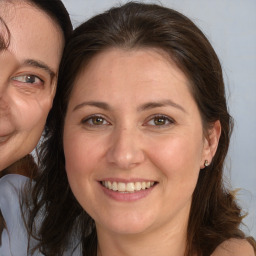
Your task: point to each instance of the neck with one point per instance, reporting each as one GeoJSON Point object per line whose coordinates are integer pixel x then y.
{"type": "Point", "coordinates": [161, 242]}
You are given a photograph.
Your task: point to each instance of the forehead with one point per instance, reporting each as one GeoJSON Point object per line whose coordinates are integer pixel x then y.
{"type": "Point", "coordinates": [111, 56]}
{"type": "Point", "coordinates": [32, 31]}
{"type": "Point", "coordinates": [146, 63]}
{"type": "Point", "coordinates": [20, 14]}
{"type": "Point", "coordinates": [138, 73]}
{"type": "Point", "coordinates": [13, 10]}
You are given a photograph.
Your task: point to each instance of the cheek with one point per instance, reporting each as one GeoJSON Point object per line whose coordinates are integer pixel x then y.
{"type": "Point", "coordinates": [177, 162]}
{"type": "Point", "coordinates": [77, 153]}
{"type": "Point", "coordinates": [31, 113]}
{"type": "Point", "coordinates": [80, 164]}
{"type": "Point", "coordinates": [178, 157]}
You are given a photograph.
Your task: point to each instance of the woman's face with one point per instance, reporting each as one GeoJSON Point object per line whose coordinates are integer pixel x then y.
{"type": "Point", "coordinates": [133, 142]}
{"type": "Point", "coordinates": [28, 70]}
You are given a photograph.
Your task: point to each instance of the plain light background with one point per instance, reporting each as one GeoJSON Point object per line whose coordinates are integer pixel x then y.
{"type": "Point", "coordinates": [230, 25]}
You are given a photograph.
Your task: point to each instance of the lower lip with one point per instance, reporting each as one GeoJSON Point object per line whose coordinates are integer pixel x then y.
{"type": "Point", "coordinates": [128, 196]}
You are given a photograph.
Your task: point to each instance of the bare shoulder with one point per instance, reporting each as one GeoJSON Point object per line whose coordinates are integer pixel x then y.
{"type": "Point", "coordinates": [234, 247]}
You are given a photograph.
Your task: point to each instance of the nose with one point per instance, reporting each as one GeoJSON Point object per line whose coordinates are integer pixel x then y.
{"type": "Point", "coordinates": [126, 149]}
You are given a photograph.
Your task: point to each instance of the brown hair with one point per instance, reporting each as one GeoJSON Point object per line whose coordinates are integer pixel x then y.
{"type": "Point", "coordinates": [4, 35]}
{"type": "Point", "coordinates": [25, 166]}
{"type": "Point", "coordinates": [215, 216]}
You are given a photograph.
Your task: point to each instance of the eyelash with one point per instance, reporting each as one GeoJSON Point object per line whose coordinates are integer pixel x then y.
{"type": "Point", "coordinates": [89, 121]}
{"type": "Point", "coordinates": [24, 79]}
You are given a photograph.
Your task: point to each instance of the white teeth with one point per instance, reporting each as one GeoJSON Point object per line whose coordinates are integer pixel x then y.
{"type": "Point", "coordinates": [121, 187]}
{"type": "Point", "coordinates": [130, 187]}
{"type": "Point", "coordinates": [127, 187]}
{"type": "Point", "coordinates": [114, 186]}
{"type": "Point", "coordinates": [138, 186]}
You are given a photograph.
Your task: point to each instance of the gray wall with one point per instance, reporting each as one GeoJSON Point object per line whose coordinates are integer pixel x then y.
{"type": "Point", "coordinates": [231, 27]}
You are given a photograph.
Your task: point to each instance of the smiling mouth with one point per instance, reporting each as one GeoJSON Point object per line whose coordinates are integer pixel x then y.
{"type": "Point", "coordinates": [129, 187]}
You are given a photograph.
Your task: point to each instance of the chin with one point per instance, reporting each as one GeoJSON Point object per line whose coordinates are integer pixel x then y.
{"type": "Point", "coordinates": [127, 226]}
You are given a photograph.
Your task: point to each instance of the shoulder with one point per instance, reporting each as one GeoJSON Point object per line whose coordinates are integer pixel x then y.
{"type": "Point", "coordinates": [234, 247]}
{"type": "Point", "coordinates": [12, 180]}
{"type": "Point", "coordinates": [14, 235]}
{"type": "Point", "coordinates": [10, 190]}
{"type": "Point", "coordinates": [10, 185]}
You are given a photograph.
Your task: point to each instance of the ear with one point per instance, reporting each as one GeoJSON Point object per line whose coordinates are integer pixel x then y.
{"type": "Point", "coordinates": [211, 141]}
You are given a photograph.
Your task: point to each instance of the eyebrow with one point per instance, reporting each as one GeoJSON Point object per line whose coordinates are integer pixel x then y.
{"type": "Point", "coordinates": [146, 106]}
{"type": "Point", "coordinates": [41, 65]}
{"type": "Point", "coordinates": [162, 103]}
{"type": "Point", "coordinates": [97, 104]}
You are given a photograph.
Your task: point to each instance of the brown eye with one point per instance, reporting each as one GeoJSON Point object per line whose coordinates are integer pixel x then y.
{"type": "Point", "coordinates": [160, 120]}
{"type": "Point", "coordinates": [97, 120]}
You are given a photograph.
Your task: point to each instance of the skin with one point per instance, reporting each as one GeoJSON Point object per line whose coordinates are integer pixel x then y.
{"type": "Point", "coordinates": [148, 128]}
{"type": "Point", "coordinates": [28, 73]}
{"type": "Point", "coordinates": [234, 247]}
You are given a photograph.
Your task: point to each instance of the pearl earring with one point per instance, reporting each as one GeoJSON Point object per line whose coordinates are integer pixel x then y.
{"type": "Point", "coordinates": [206, 163]}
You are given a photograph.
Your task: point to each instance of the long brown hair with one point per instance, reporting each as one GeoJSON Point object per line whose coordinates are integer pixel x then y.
{"type": "Point", "coordinates": [215, 215]}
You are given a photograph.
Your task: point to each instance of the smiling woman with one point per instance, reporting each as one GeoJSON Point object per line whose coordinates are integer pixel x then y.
{"type": "Point", "coordinates": [29, 66]}
{"type": "Point", "coordinates": [135, 143]}
{"type": "Point", "coordinates": [138, 133]}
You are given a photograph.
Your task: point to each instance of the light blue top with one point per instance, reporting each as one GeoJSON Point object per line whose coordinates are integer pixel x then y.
{"type": "Point", "coordinates": [15, 237]}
